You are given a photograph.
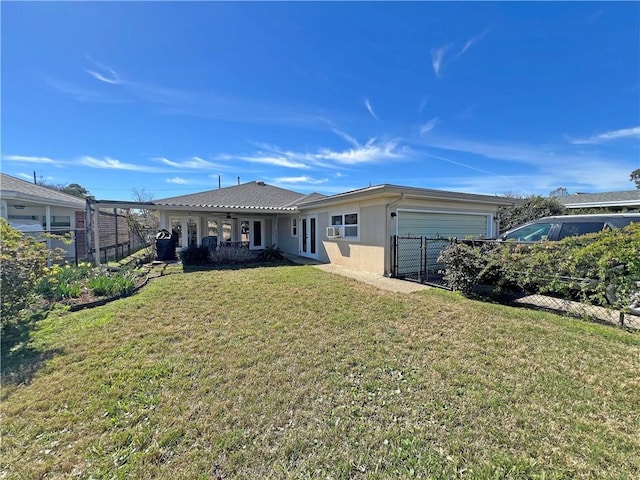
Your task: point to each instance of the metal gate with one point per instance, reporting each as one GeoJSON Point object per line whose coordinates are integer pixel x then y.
{"type": "Point", "coordinates": [416, 259]}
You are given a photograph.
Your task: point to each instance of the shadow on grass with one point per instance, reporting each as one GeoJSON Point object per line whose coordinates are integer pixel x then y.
{"type": "Point", "coordinates": [20, 360]}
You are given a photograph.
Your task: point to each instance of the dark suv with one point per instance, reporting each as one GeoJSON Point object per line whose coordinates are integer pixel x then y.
{"type": "Point", "coordinates": [559, 227]}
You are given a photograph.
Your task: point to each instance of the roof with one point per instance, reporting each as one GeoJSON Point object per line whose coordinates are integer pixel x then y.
{"type": "Point", "coordinates": [251, 195]}
{"type": "Point", "coordinates": [626, 198]}
{"type": "Point", "coordinates": [15, 188]}
{"type": "Point", "coordinates": [413, 192]}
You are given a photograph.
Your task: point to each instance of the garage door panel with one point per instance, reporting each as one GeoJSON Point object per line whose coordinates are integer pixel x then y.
{"type": "Point", "coordinates": [420, 224]}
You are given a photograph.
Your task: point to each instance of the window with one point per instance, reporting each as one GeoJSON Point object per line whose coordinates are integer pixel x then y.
{"type": "Point", "coordinates": [349, 222]}
{"type": "Point", "coordinates": [531, 233]}
{"type": "Point", "coordinates": [294, 227]}
{"type": "Point", "coordinates": [582, 228]}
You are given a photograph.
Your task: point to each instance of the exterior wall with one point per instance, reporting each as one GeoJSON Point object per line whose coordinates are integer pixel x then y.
{"type": "Point", "coordinates": [365, 253]}
{"type": "Point", "coordinates": [371, 251]}
{"type": "Point", "coordinates": [286, 242]}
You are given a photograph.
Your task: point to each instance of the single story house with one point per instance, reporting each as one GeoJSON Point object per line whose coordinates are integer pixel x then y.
{"type": "Point", "coordinates": [624, 201]}
{"type": "Point", "coordinates": [34, 209]}
{"type": "Point", "coordinates": [351, 229]}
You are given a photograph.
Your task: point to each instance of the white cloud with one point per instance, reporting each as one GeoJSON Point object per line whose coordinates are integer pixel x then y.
{"type": "Point", "coordinates": [368, 106]}
{"type": "Point", "coordinates": [274, 160]}
{"type": "Point", "coordinates": [111, 164]}
{"type": "Point", "coordinates": [346, 137]}
{"type": "Point", "coordinates": [471, 42]}
{"type": "Point", "coordinates": [177, 180]}
{"type": "Point", "coordinates": [29, 159]}
{"type": "Point", "coordinates": [193, 163]}
{"type": "Point", "coordinates": [633, 132]}
{"type": "Point", "coordinates": [427, 127]}
{"type": "Point", "coordinates": [578, 171]}
{"type": "Point", "coordinates": [437, 58]}
{"type": "Point", "coordinates": [302, 179]}
{"type": "Point", "coordinates": [108, 75]}
{"type": "Point", "coordinates": [372, 152]}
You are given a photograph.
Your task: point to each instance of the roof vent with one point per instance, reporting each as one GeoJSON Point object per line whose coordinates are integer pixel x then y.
{"type": "Point", "coordinates": [260, 182]}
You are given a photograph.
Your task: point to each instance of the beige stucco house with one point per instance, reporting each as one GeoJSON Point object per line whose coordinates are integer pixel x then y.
{"type": "Point", "coordinates": [34, 209]}
{"type": "Point", "coordinates": [351, 229]}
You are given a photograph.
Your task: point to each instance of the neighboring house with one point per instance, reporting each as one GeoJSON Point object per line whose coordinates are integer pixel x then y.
{"type": "Point", "coordinates": [625, 201]}
{"type": "Point", "coordinates": [35, 209]}
{"type": "Point", "coordinates": [352, 229]}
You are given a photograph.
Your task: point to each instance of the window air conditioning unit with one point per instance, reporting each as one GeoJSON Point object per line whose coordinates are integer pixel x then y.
{"type": "Point", "coordinates": [333, 232]}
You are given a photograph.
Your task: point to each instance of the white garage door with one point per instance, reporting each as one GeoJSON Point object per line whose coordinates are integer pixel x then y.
{"type": "Point", "coordinates": [447, 225]}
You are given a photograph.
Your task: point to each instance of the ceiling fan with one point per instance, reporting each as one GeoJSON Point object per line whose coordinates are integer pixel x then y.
{"type": "Point", "coordinates": [229, 217]}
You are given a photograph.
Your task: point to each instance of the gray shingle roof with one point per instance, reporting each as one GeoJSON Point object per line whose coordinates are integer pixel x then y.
{"type": "Point", "coordinates": [251, 195]}
{"type": "Point", "coordinates": [623, 198]}
{"type": "Point", "coordinates": [12, 187]}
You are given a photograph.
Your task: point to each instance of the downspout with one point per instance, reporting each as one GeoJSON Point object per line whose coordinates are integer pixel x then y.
{"type": "Point", "coordinates": [387, 240]}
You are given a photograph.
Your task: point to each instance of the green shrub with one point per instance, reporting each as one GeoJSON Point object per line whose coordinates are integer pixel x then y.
{"type": "Point", "coordinates": [271, 254]}
{"type": "Point", "coordinates": [601, 268]}
{"type": "Point", "coordinates": [23, 261]}
{"type": "Point", "coordinates": [195, 255]}
{"type": "Point", "coordinates": [108, 285]}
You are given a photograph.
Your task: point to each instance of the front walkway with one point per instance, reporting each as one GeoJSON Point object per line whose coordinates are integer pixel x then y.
{"type": "Point", "coordinates": [374, 279]}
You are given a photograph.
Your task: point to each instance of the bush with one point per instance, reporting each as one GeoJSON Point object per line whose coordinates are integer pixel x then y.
{"type": "Point", "coordinates": [109, 285]}
{"type": "Point", "coordinates": [271, 254]}
{"type": "Point", "coordinates": [601, 268]}
{"type": "Point", "coordinates": [23, 261]}
{"type": "Point", "coordinates": [233, 256]}
{"type": "Point", "coordinates": [195, 255]}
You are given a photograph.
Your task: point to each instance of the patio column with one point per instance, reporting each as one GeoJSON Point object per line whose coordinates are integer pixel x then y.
{"type": "Point", "coordinates": [184, 221]}
{"type": "Point", "coordinates": [4, 212]}
{"type": "Point", "coordinates": [163, 220]}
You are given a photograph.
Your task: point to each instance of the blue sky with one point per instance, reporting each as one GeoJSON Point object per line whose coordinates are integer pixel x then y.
{"type": "Point", "coordinates": [472, 97]}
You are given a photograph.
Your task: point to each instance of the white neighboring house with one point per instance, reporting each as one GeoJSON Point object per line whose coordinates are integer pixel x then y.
{"type": "Point", "coordinates": [34, 209]}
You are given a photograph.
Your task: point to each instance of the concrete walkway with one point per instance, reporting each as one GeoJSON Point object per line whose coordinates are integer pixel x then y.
{"type": "Point", "coordinates": [374, 279]}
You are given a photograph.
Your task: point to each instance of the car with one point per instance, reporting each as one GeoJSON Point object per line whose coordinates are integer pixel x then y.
{"type": "Point", "coordinates": [562, 226]}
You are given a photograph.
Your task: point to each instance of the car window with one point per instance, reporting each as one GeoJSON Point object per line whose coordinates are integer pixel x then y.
{"type": "Point", "coordinates": [530, 233]}
{"type": "Point", "coordinates": [579, 228]}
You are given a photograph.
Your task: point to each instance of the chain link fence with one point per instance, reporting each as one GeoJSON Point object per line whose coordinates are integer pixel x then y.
{"type": "Point", "coordinates": [489, 270]}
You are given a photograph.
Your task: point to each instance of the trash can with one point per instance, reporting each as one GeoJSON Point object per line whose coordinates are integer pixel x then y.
{"type": "Point", "coordinates": [165, 245]}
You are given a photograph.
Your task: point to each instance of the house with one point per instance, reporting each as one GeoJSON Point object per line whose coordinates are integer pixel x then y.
{"type": "Point", "coordinates": [351, 229]}
{"type": "Point", "coordinates": [624, 201]}
{"type": "Point", "coordinates": [35, 209]}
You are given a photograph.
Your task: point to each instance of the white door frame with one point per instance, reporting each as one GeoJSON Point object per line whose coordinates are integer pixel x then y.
{"type": "Point", "coordinates": [306, 234]}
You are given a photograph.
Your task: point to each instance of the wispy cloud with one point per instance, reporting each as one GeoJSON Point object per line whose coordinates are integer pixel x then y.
{"type": "Point", "coordinates": [369, 108]}
{"type": "Point", "coordinates": [633, 132]}
{"type": "Point", "coordinates": [572, 169]}
{"type": "Point", "coordinates": [372, 152]}
{"type": "Point", "coordinates": [112, 164]}
{"type": "Point", "coordinates": [177, 181]}
{"type": "Point", "coordinates": [427, 127]}
{"type": "Point", "coordinates": [194, 163]}
{"type": "Point", "coordinates": [274, 161]}
{"type": "Point", "coordinates": [470, 42]}
{"type": "Point", "coordinates": [346, 137]}
{"type": "Point", "coordinates": [301, 179]}
{"type": "Point", "coordinates": [103, 73]}
{"type": "Point", "coordinates": [438, 54]}
{"type": "Point", "coordinates": [437, 58]}
{"type": "Point", "coordinates": [423, 103]}
{"type": "Point", "coordinates": [30, 159]}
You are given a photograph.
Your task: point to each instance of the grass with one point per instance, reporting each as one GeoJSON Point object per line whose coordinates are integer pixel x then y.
{"type": "Point", "coordinates": [290, 372]}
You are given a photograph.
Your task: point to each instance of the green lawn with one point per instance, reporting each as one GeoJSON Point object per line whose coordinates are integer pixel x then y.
{"type": "Point", "coordinates": [290, 372]}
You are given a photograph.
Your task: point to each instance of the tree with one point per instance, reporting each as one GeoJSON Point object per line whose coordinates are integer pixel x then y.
{"type": "Point", "coordinates": [635, 177]}
{"type": "Point", "coordinates": [531, 208]}
{"type": "Point", "coordinates": [75, 190]}
{"type": "Point", "coordinates": [559, 192]}
{"type": "Point", "coordinates": [70, 189]}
